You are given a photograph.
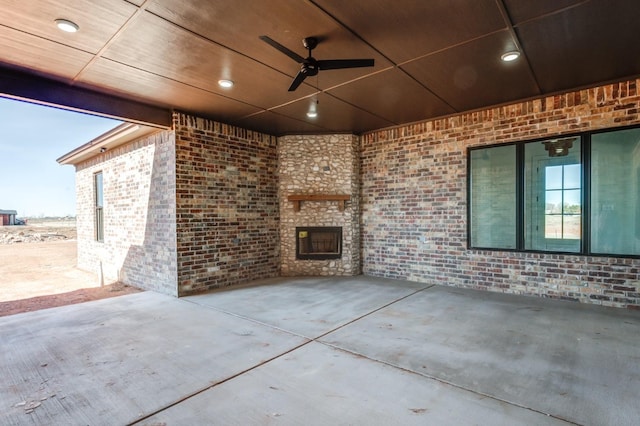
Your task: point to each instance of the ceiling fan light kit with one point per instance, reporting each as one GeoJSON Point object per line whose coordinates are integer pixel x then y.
{"type": "Point", "coordinates": [311, 66]}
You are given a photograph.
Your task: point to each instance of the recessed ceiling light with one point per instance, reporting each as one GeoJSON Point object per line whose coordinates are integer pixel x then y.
{"type": "Point", "coordinates": [312, 114]}
{"type": "Point", "coordinates": [67, 26]}
{"type": "Point", "coordinates": [510, 56]}
{"type": "Point", "coordinates": [225, 83]}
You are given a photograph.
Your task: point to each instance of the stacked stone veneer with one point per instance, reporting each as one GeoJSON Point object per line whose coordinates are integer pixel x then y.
{"type": "Point", "coordinates": [226, 204]}
{"type": "Point", "coordinates": [321, 164]}
{"type": "Point", "coordinates": [414, 201]}
{"type": "Point", "coordinates": [139, 245]}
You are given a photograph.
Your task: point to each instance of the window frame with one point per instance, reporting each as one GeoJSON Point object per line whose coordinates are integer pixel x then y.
{"type": "Point", "coordinates": [562, 215]}
{"type": "Point", "coordinates": [98, 207]}
{"type": "Point", "coordinates": [584, 139]}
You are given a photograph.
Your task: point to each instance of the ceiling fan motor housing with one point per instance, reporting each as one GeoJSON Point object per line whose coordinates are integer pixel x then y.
{"type": "Point", "coordinates": [310, 43]}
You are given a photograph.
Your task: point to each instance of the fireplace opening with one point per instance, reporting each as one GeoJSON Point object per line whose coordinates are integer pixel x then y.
{"type": "Point", "coordinates": [318, 243]}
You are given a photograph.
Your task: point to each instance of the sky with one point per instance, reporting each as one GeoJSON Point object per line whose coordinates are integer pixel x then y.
{"type": "Point", "coordinates": [32, 137]}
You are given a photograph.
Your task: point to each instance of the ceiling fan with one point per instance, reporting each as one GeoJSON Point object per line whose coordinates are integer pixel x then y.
{"type": "Point", "coordinates": [310, 65]}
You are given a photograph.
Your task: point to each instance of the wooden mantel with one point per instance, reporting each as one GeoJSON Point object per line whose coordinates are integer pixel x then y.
{"type": "Point", "coordinates": [298, 198]}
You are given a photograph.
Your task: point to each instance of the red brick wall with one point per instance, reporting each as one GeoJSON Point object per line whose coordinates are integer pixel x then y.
{"type": "Point", "coordinates": [226, 204]}
{"type": "Point", "coordinates": [414, 201]}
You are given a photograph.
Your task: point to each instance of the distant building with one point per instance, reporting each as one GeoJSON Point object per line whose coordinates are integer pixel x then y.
{"type": "Point", "coordinates": [8, 217]}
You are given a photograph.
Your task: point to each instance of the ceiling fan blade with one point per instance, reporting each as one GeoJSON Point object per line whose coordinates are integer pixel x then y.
{"type": "Point", "coordinates": [293, 55]}
{"type": "Point", "coordinates": [297, 81]}
{"type": "Point", "coordinates": [335, 64]}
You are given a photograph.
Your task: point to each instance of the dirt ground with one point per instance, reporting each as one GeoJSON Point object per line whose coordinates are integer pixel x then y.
{"type": "Point", "coordinates": [38, 269]}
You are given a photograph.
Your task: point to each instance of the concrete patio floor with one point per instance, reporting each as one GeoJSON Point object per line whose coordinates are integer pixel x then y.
{"type": "Point", "coordinates": [320, 351]}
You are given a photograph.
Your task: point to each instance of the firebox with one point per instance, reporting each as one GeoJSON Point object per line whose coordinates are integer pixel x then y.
{"type": "Point", "coordinates": [318, 243]}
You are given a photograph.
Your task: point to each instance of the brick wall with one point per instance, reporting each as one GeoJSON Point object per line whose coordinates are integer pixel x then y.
{"type": "Point", "coordinates": [226, 204]}
{"type": "Point", "coordinates": [139, 245]}
{"type": "Point", "coordinates": [414, 201]}
{"type": "Point", "coordinates": [320, 164]}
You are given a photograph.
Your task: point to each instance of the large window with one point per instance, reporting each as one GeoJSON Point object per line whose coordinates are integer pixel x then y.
{"type": "Point", "coordinates": [578, 194]}
{"type": "Point", "coordinates": [615, 192]}
{"type": "Point", "coordinates": [99, 205]}
{"type": "Point", "coordinates": [493, 200]}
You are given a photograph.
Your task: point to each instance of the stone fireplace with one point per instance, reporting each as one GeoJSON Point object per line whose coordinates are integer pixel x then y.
{"type": "Point", "coordinates": [319, 205]}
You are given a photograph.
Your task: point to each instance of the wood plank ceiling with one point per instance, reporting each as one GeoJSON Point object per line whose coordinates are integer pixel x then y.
{"type": "Point", "coordinates": [432, 58]}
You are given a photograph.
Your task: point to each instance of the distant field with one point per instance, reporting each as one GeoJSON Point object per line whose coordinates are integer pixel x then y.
{"type": "Point", "coordinates": [38, 268]}
{"type": "Point", "coordinates": [39, 230]}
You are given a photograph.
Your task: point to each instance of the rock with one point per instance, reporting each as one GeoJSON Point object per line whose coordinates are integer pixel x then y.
{"type": "Point", "coordinates": [32, 405]}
